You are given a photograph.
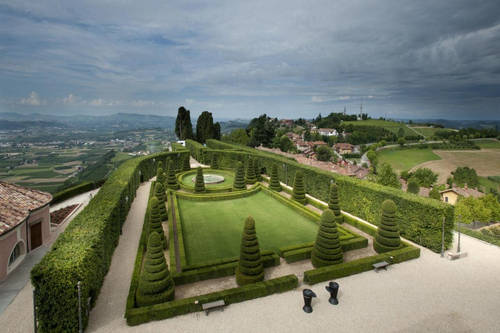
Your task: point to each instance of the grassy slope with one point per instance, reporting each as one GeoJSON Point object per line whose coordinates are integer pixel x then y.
{"type": "Point", "coordinates": [488, 144]}
{"type": "Point", "coordinates": [389, 125]}
{"type": "Point", "coordinates": [405, 159]}
{"type": "Point", "coordinates": [488, 184]}
{"type": "Point", "coordinates": [429, 131]}
{"type": "Point", "coordinates": [212, 229]}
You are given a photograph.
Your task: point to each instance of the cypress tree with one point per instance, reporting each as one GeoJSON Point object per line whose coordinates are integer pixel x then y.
{"type": "Point", "coordinates": [250, 175]}
{"type": "Point", "coordinates": [160, 175]}
{"type": "Point", "coordinates": [155, 284]}
{"type": "Point", "coordinates": [250, 268]}
{"type": "Point", "coordinates": [299, 193]}
{"type": "Point", "coordinates": [256, 169]}
{"type": "Point", "coordinates": [387, 238]}
{"type": "Point", "coordinates": [160, 195]}
{"type": "Point", "coordinates": [327, 249]}
{"type": "Point", "coordinates": [183, 126]}
{"type": "Point", "coordinates": [214, 164]}
{"type": "Point", "coordinates": [275, 182]}
{"type": "Point", "coordinates": [333, 204]}
{"type": "Point", "coordinates": [199, 186]}
{"type": "Point", "coordinates": [171, 179]}
{"type": "Point", "coordinates": [155, 219]}
{"type": "Point", "coordinates": [239, 179]}
{"type": "Point", "coordinates": [186, 166]}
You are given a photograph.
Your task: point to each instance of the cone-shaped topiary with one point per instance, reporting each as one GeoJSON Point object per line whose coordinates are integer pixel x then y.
{"type": "Point", "coordinates": [327, 249]}
{"type": "Point", "coordinates": [387, 238]}
{"type": "Point", "coordinates": [299, 193]}
{"type": "Point", "coordinates": [250, 268]}
{"type": "Point", "coordinates": [171, 179]}
{"type": "Point", "coordinates": [333, 203]}
{"type": "Point", "coordinates": [155, 219]}
{"type": "Point", "coordinates": [214, 164]}
{"type": "Point", "coordinates": [256, 169]}
{"type": "Point", "coordinates": [275, 181]}
{"type": "Point", "coordinates": [199, 185]}
{"type": "Point", "coordinates": [239, 179]}
{"type": "Point", "coordinates": [159, 165]}
{"type": "Point", "coordinates": [186, 165]}
{"type": "Point", "coordinates": [250, 174]}
{"type": "Point", "coordinates": [160, 195]}
{"type": "Point", "coordinates": [155, 284]}
{"type": "Point", "coordinates": [160, 175]}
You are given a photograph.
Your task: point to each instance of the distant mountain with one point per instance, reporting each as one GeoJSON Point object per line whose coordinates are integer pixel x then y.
{"type": "Point", "coordinates": [118, 121]}
{"type": "Point", "coordinates": [19, 125]}
{"type": "Point", "coordinates": [228, 126]}
{"type": "Point", "coordinates": [458, 124]}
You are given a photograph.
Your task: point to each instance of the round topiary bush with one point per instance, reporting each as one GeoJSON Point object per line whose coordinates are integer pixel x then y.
{"type": "Point", "coordinates": [214, 164]}
{"type": "Point", "coordinates": [327, 249]}
{"type": "Point", "coordinates": [171, 179]}
{"type": "Point", "coordinates": [250, 174]}
{"type": "Point", "coordinates": [250, 268]}
{"type": "Point", "coordinates": [239, 178]}
{"type": "Point", "coordinates": [160, 195]}
{"type": "Point", "coordinates": [387, 238]}
{"type": "Point", "coordinates": [333, 203]}
{"type": "Point", "coordinates": [155, 284]}
{"type": "Point", "coordinates": [155, 220]}
{"type": "Point", "coordinates": [299, 192]}
{"type": "Point", "coordinates": [199, 186]}
{"type": "Point", "coordinates": [186, 165]}
{"type": "Point", "coordinates": [275, 181]}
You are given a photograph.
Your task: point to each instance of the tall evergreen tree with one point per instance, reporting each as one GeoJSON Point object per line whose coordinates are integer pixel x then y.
{"type": "Point", "coordinates": [205, 127]}
{"type": "Point", "coordinates": [183, 126]}
{"type": "Point", "coordinates": [239, 179]}
{"type": "Point", "coordinates": [250, 174]}
{"type": "Point", "coordinates": [250, 268]}
{"type": "Point", "coordinates": [387, 238]}
{"type": "Point", "coordinates": [155, 219]}
{"type": "Point", "coordinates": [327, 249]}
{"type": "Point", "coordinates": [214, 164]}
{"type": "Point", "coordinates": [217, 134]}
{"type": "Point", "coordinates": [299, 192]}
{"type": "Point", "coordinates": [275, 181]}
{"type": "Point", "coordinates": [171, 179]}
{"type": "Point", "coordinates": [333, 203]}
{"type": "Point", "coordinates": [199, 185]}
{"type": "Point", "coordinates": [155, 284]}
{"type": "Point", "coordinates": [186, 165]}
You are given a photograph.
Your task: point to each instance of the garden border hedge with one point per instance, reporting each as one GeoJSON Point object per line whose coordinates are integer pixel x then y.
{"type": "Point", "coordinates": [83, 252]}
{"type": "Point", "coordinates": [208, 189]}
{"type": "Point", "coordinates": [75, 190]}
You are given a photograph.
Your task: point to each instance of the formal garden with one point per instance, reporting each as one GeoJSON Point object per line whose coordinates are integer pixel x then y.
{"type": "Point", "coordinates": [235, 220]}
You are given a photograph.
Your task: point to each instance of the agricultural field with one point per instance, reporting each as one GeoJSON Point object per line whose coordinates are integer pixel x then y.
{"type": "Point", "coordinates": [429, 132]}
{"type": "Point", "coordinates": [391, 126]}
{"type": "Point", "coordinates": [406, 159]}
{"type": "Point", "coordinates": [488, 144]}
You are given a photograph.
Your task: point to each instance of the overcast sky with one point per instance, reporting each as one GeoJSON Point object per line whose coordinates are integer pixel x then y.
{"type": "Point", "coordinates": [239, 59]}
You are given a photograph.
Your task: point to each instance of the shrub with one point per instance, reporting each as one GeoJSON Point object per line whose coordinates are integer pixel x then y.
{"type": "Point", "coordinates": [387, 238]}
{"type": "Point", "coordinates": [327, 249]}
{"type": "Point", "coordinates": [425, 177]}
{"type": "Point", "coordinates": [413, 186]}
{"type": "Point", "coordinates": [186, 165]}
{"type": "Point", "coordinates": [199, 185]}
{"type": "Point", "coordinates": [155, 220]}
{"type": "Point", "coordinates": [434, 194]}
{"type": "Point", "coordinates": [214, 164]}
{"type": "Point", "coordinates": [256, 169]}
{"type": "Point", "coordinates": [239, 179]}
{"type": "Point", "coordinates": [156, 284]}
{"type": "Point", "coordinates": [275, 181]}
{"type": "Point", "coordinates": [250, 174]}
{"type": "Point", "coordinates": [333, 203]}
{"type": "Point", "coordinates": [250, 269]}
{"type": "Point", "coordinates": [159, 165]}
{"type": "Point", "coordinates": [171, 179]}
{"type": "Point", "coordinates": [160, 175]}
{"type": "Point", "coordinates": [160, 195]}
{"type": "Point", "coordinates": [299, 193]}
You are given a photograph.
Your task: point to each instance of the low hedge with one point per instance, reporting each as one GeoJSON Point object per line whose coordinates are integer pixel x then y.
{"type": "Point", "coordinates": [178, 147]}
{"type": "Point", "coordinates": [208, 189]}
{"type": "Point", "coordinates": [235, 295]}
{"type": "Point", "coordinates": [75, 190]}
{"type": "Point", "coordinates": [220, 196]}
{"type": "Point", "coordinates": [406, 252]}
{"type": "Point", "coordinates": [84, 250]}
{"type": "Point", "coordinates": [420, 218]}
{"type": "Point", "coordinates": [174, 207]}
{"type": "Point", "coordinates": [304, 252]}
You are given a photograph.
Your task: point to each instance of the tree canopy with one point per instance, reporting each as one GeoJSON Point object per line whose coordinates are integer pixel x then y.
{"type": "Point", "coordinates": [386, 176]}
{"type": "Point", "coordinates": [183, 126]}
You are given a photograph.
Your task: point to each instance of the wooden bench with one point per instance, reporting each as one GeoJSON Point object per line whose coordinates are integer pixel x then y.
{"type": "Point", "coordinates": [380, 265]}
{"type": "Point", "coordinates": [207, 307]}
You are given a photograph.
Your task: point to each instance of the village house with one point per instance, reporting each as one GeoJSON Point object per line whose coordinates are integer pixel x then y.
{"type": "Point", "coordinates": [328, 131]}
{"type": "Point", "coordinates": [451, 195]}
{"type": "Point", "coordinates": [293, 136]}
{"type": "Point", "coordinates": [302, 145]}
{"type": "Point", "coordinates": [344, 148]}
{"type": "Point", "coordinates": [286, 122]}
{"type": "Point", "coordinates": [24, 224]}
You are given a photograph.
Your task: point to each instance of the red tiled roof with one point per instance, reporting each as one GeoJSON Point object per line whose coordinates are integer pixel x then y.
{"type": "Point", "coordinates": [465, 192]}
{"type": "Point", "coordinates": [16, 203]}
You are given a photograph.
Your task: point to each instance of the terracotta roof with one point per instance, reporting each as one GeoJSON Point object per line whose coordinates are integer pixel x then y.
{"type": "Point", "coordinates": [343, 146]}
{"type": "Point", "coordinates": [465, 192]}
{"type": "Point", "coordinates": [16, 202]}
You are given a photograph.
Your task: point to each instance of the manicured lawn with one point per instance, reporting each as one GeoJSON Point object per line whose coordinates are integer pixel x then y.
{"type": "Point", "coordinates": [405, 159]}
{"type": "Point", "coordinates": [212, 229]}
{"type": "Point", "coordinates": [187, 179]}
{"type": "Point", "coordinates": [488, 144]}
{"type": "Point", "coordinates": [391, 126]}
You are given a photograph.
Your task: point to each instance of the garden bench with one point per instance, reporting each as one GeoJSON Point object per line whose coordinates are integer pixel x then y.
{"type": "Point", "coordinates": [207, 307]}
{"type": "Point", "coordinates": [380, 265]}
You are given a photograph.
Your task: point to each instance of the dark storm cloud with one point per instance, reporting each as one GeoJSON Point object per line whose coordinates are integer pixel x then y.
{"type": "Point", "coordinates": [288, 58]}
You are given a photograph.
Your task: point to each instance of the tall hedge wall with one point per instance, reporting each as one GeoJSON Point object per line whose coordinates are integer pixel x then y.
{"type": "Point", "coordinates": [84, 251]}
{"type": "Point", "coordinates": [420, 217]}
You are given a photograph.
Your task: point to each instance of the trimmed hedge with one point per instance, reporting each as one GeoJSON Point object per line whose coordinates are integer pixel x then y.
{"type": "Point", "coordinates": [275, 184]}
{"type": "Point", "coordinates": [250, 177]}
{"type": "Point", "coordinates": [199, 185]}
{"type": "Point", "coordinates": [214, 164]}
{"type": "Point", "coordinates": [84, 250]}
{"type": "Point", "coordinates": [156, 218]}
{"type": "Point", "coordinates": [420, 218]}
{"type": "Point", "coordinates": [299, 192]}
{"type": "Point", "coordinates": [250, 268]}
{"type": "Point", "coordinates": [230, 296]}
{"type": "Point", "coordinates": [387, 238]}
{"type": "Point", "coordinates": [239, 179]}
{"type": "Point", "coordinates": [333, 203]}
{"type": "Point", "coordinates": [186, 164]}
{"type": "Point", "coordinates": [326, 273]}
{"type": "Point", "coordinates": [75, 190]}
{"type": "Point", "coordinates": [304, 253]}
{"type": "Point", "coordinates": [327, 250]}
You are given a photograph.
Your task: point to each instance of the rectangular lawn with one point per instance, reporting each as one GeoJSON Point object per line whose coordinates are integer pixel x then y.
{"type": "Point", "coordinates": [212, 229]}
